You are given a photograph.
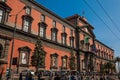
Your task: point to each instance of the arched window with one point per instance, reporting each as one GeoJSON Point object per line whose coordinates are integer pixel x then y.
{"type": "Point", "coordinates": [1, 49]}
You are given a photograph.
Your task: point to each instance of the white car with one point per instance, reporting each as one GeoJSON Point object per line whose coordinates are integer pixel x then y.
{"type": "Point", "coordinates": [24, 72]}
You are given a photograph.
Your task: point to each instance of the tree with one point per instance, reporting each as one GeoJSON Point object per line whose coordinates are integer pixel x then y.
{"type": "Point", "coordinates": [38, 57]}
{"type": "Point", "coordinates": [90, 63]}
{"type": "Point", "coordinates": [117, 60]}
{"type": "Point", "coordinates": [108, 67]}
{"type": "Point", "coordinates": [72, 61]}
{"type": "Point", "coordinates": [102, 68]}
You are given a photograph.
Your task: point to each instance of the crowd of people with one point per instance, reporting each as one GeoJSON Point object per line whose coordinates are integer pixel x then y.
{"type": "Point", "coordinates": [67, 76]}
{"type": "Point", "coordinates": [79, 77]}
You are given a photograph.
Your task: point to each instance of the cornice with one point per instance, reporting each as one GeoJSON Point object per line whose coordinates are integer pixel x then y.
{"type": "Point", "coordinates": [9, 28]}
{"type": "Point", "coordinates": [103, 44]}
{"type": "Point", "coordinates": [50, 12]}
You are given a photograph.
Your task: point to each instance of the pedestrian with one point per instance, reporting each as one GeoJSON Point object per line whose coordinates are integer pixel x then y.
{"type": "Point", "coordinates": [92, 78]}
{"type": "Point", "coordinates": [26, 77]}
{"type": "Point", "coordinates": [73, 77]}
{"type": "Point", "coordinates": [30, 76]}
{"type": "Point", "coordinates": [39, 75]}
{"type": "Point", "coordinates": [62, 77]}
{"type": "Point", "coordinates": [69, 77]}
{"type": "Point", "coordinates": [20, 77]}
{"type": "Point", "coordinates": [107, 78]}
{"type": "Point", "coordinates": [57, 77]}
{"type": "Point", "coordinates": [78, 77]}
{"type": "Point", "coordinates": [51, 76]}
{"type": "Point", "coordinates": [101, 78]}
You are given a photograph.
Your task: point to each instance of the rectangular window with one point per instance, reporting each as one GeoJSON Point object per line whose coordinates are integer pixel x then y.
{"type": "Point", "coordinates": [71, 43]}
{"type": "Point", "coordinates": [83, 64]}
{"type": "Point", "coordinates": [3, 0]}
{"type": "Point", "coordinates": [54, 23]}
{"type": "Point", "coordinates": [64, 62]}
{"type": "Point", "coordinates": [71, 32]}
{"type": "Point", "coordinates": [63, 28]}
{"type": "Point", "coordinates": [43, 18]}
{"type": "Point", "coordinates": [53, 36]}
{"type": "Point", "coordinates": [23, 57]}
{"type": "Point", "coordinates": [28, 10]}
{"type": "Point", "coordinates": [1, 15]}
{"type": "Point", "coordinates": [26, 25]}
{"type": "Point", "coordinates": [63, 40]}
{"type": "Point", "coordinates": [54, 61]}
{"type": "Point", "coordinates": [41, 32]}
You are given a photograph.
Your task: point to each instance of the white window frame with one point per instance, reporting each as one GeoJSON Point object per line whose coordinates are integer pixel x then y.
{"type": "Point", "coordinates": [28, 10]}
{"type": "Point", "coordinates": [63, 28]}
{"type": "Point", "coordinates": [26, 25]}
{"type": "Point", "coordinates": [1, 15]}
{"type": "Point", "coordinates": [43, 18]}
{"type": "Point", "coordinates": [3, 0]}
{"type": "Point", "coordinates": [63, 39]}
{"type": "Point", "coordinates": [53, 36]}
{"type": "Point", "coordinates": [64, 64]}
{"type": "Point", "coordinates": [41, 32]}
{"type": "Point", "coordinates": [24, 58]}
{"type": "Point", "coordinates": [54, 24]}
{"type": "Point", "coordinates": [71, 43]}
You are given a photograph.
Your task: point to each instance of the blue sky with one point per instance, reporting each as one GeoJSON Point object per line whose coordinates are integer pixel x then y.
{"type": "Point", "coordinates": [65, 8]}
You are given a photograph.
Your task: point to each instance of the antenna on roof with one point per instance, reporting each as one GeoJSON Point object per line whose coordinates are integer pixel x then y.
{"type": "Point", "coordinates": [83, 13]}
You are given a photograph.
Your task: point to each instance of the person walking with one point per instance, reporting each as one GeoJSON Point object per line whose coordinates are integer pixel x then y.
{"type": "Point", "coordinates": [29, 76]}
{"type": "Point", "coordinates": [20, 77]}
{"type": "Point", "coordinates": [57, 77]}
{"type": "Point", "coordinates": [78, 77]}
{"type": "Point", "coordinates": [92, 78]}
{"type": "Point", "coordinates": [73, 77]}
{"type": "Point", "coordinates": [39, 75]}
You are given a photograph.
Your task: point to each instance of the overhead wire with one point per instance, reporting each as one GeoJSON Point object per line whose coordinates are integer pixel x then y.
{"type": "Point", "coordinates": [100, 19]}
{"type": "Point", "coordinates": [108, 15]}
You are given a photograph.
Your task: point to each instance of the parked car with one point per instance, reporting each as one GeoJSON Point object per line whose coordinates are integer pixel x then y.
{"type": "Point", "coordinates": [25, 72]}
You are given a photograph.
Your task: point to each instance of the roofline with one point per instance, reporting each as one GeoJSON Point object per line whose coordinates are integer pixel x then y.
{"type": "Point", "coordinates": [47, 10]}
{"type": "Point", "coordinates": [86, 22]}
{"type": "Point", "coordinates": [103, 44]}
{"type": "Point", "coordinates": [73, 16]}
{"type": "Point", "coordinates": [81, 18]}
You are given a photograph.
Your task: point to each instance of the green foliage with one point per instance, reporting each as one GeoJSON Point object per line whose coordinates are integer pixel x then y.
{"type": "Point", "coordinates": [72, 61]}
{"type": "Point", "coordinates": [108, 67]}
{"type": "Point", "coordinates": [117, 60]}
{"type": "Point", "coordinates": [38, 57]}
{"type": "Point", "coordinates": [86, 39]}
{"type": "Point", "coordinates": [102, 68]}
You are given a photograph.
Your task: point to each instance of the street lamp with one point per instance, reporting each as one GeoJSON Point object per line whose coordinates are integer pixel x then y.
{"type": "Point", "coordinates": [12, 48]}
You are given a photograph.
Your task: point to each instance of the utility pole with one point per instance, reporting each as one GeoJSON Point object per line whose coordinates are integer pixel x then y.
{"type": "Point", "coordinates": [13, 37]}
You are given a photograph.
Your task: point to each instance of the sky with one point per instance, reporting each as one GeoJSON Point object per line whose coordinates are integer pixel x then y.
{"type": "Point", "coordinates": [106, 29]}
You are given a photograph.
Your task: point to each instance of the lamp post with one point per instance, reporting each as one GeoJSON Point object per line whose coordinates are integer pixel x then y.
{"type": "Point", "coordinates": [13, 37]}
